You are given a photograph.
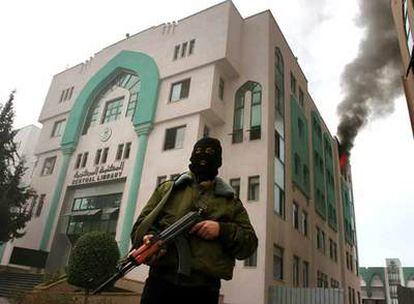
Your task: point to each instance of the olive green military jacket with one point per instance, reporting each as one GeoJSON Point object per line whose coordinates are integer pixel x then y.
{"type": "Point", "coordinates": [212, 258]}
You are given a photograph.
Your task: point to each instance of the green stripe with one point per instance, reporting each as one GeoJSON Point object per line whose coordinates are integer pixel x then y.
{"type": "Point", "coordinates": [133, 187]}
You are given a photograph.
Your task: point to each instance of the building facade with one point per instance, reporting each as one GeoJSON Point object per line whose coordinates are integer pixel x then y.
{"type": "Point", "coordinates": [403, 13]}
{"type": "Point", "coordinates": [119, 124]}
{"type": "Point", "coordinates": [379, 285]}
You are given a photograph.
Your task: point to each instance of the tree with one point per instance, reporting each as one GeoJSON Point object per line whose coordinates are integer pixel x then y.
{"type": "Point", "coordinates": [13, 195]}
{"type": "Point", "coordinates": [93, 259]}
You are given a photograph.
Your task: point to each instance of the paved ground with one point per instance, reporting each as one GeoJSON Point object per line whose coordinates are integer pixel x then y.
{"type": "Point", "coordinates": [4, 301]}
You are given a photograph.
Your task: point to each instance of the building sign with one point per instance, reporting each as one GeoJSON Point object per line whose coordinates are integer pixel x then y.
{"type": "Point", "coordinates": [100, 174]}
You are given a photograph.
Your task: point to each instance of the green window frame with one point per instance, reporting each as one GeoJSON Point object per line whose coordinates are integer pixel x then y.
{"type": "Point", "coordinates": [113, 110]}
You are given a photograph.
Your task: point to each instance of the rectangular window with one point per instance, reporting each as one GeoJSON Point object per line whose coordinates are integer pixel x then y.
{"type": "Point", "coordinates": [161, 179]}
{"type": "Point", "coordinates": [279, 204]}
{"type": "Point", "coordinates": [295, 271]}
{"type": "Point", "coordinates": [235, 184]}
{"type": "Point", "coordinates": [98, 156]}
{"type": "Point", "coordinates": [62, 95]}
{"type": "Point", "coordinates": [58, 128]}
{"type": "Point", "coordinates": [331, 252]}
{"type": "Point", "coordinates": [305, 274]}
{"type": "Point", "coordinates": [292, 84]}
{"type": "Point", "coordinates": [104, 155]}
{"type": "Point", "coordinates": [174, 138]}
{"type": "Point", "coordinates": [237, 135]}
{"type": "Point", "coordinates": [256, 116]}
{"type": "Point", "coordinates": [84, 159]}
{"type": "Point", "coordinates": [176, 51]}
{"type": "Point", "coordinates": [180, 90]}
{"type": "Point", "coordinates": [251, 261]}
{"type": "Point", "coordinates": [301, 98]}
{"type": "Point", "coordinates": [304, 223]}
{"type": "Point", "coordinates": [221, 89]}
{"type": "Point", "coordinates": [78, 161]}
{"type": "Point", "coordinates": [295, 215]}
{"type": "Point", "coordinates": [279, 147]}
{"type": "Point", "coordinates": [119, 151]}
{"type": "Point", "coordinates": [70, 93]}
{"type": "Point", "coordinates": [40, 204]}
{"type": "Point", "coordinates": [113, 110]}
{"type": "Point", "coordinates": [322, 280]}
{"type": "Point", "coordinates": [323, 242]}
{"type": "Point", "coordinates": [191, 48]}
{"type": "Point", "coordinates": [127, 150]}
{"type": "Point", "coordinates": [277, 263]}
{"type": "Point", "coordinates": [183, 49]}
{"type": "Point", "coordinates": [48, 165]}
{"type": "Point", "coordinates": [254, 188]}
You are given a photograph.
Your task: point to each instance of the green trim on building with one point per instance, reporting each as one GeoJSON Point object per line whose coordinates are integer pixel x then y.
{"type": "Point", "coordinates": [134, 182]}
{"type": "Point", "coordinates": [318, 167]}
{"type": "Point", "coordinates": [347, 206]}
{"type": "Point", "coordinates": [51, 217]}
{"type": "Point", "coordinates": [330, 182]}
{"type": "Point", "coordinates": [300, 148]}
{"type": "Point", "coordinates": [147, 70]}
{"type": "Point", "coordinates": [408, 273]}
{"type": "Point", "coordinates": [368, 273]}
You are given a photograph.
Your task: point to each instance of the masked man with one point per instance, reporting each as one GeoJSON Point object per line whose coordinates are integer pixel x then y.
{"type": "Point", "coordinates": [224, 235]}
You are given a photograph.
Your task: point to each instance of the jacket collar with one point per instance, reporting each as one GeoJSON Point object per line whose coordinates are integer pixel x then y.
{"type": "Point", "coordinates": [221, 187]}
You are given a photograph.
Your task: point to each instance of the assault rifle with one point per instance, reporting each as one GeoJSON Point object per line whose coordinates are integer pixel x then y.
{"type": "Point", "coordinates": [173, 233]}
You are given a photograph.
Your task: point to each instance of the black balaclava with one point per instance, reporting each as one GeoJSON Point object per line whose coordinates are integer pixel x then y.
{"type": "Point", "coordinates": [206, 159]}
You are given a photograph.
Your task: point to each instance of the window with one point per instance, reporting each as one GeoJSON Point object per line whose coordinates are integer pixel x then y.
{"type": "Point", "coordinates": [238, 119]}
{"type": "Point", "coordinates": [251, 261]}
{"type": "Point", "coordinates": [40, 205]}
{"type": "Point", "coordinates": [183, 49]}
{"type": "Point", "coordinates": [333, 254]}
{"type": "Point", "coordinates": [300, 128]}
{"type": "Point", "coordinates": [304, 223]}
{"type": "Point", "coordinates": [180, 90]}
{"type": "Point", "coordinates": [58, 128]}
{"type": "Point", "coordinates": [334, 283]}
{"type": "Point", "coordinates": [127, 150]}
{"type": "Point", "coordinates": [301, 98]}
{"type": "Point", "coordinates": [119, 151]}
{"type": "Point", "coordinates": [322, 280]}
{"type": "Point", "coordinates": [174, 138]}
{"type": "Point", "coordinates": [66, 94]}
{"type": "Point", "coordinates": [78, 161]}
{"type": "Point", "coordinates": [279, 204]}
{"type": "Point", "coordinates": [305, 274]}
{"type": "Point", "coordinates": [295, 271]}
{"type": "Point", "coordinates": [104, 155]}
{"type": "Point", "coordinates": [235, 184]}
{"type": "Point", "coordinates": [48, 165]}
{"type": "Point", "coordinates": [98, 156]}
{"type": "Point", "coordinates": [279, 147]}
{"type": "Point", "coordinates": [221, 89]}
{"type": "Point", "coordinates": [32, 205]}
{"type": "Point", "coordinates": [320, 240]}
{"type": "Point", "coordinates": [176, 51]}
{"type": "Point", "coordinates": [161, 179]}
{"type": "Point", "coordinates": [295, 215]}
{"type": "Point", "coordinates": [292, 84]}
{"type": "Point", "coordinates": [277, 263]}
{"type": "Point", "coordinates": [191, 48]}
{"type": "Point", "coordinates": [256, 113]}
{"type": "Point", "coordinates": [254, 188]}
{"type": "Point", "coordinates": [297, 164]}
{"type": "Point", "coordinates": [84, 159]}
{"type": "Point", "coordinates": [113, 110]}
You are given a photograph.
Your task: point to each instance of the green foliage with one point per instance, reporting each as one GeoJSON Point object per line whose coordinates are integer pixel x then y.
{"type": "Point", "coordinates": [13, 195]}
{"type": "Point", "coordinates": [93, 259]}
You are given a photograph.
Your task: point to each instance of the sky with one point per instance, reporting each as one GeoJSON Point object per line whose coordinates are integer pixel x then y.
{"type": "Point", "coordinates": [44, 37]}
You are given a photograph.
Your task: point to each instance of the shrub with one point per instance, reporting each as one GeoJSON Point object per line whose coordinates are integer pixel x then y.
{"type": "Point", "coordinates": [92, 260]}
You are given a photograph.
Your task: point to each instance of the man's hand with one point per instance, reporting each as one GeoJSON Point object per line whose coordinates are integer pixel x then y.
{"type": "Point", "coordinates": [208, 230]}
{"type": "Point", "coordinates": [154, 258]}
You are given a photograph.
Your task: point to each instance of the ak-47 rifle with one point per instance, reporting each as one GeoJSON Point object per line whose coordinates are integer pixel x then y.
{"type": "Point", "coordinates": [141, 255]}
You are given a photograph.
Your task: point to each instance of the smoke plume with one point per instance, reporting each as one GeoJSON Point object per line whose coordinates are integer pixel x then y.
{"type": "Point", "coordinates": [373, 80]}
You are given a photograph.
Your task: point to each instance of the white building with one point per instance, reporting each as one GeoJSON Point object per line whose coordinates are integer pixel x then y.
{"type": "Point", "coordinates": [132, 115]}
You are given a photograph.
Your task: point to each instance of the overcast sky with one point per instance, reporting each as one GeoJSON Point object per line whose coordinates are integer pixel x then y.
{"type": "Point", "coordinates": [41, 38]}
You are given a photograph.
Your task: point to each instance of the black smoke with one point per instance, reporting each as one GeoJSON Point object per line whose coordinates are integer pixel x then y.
{"type": "Point", "coordinates": [373, 80]}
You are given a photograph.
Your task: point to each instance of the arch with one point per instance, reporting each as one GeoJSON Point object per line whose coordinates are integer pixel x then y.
{"type": "Point", "coordinates": [138, 63]}
{"type": "Point", "coordinates": [376, 281]}
{"type": "Point", "coordinates": [255, 89]}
